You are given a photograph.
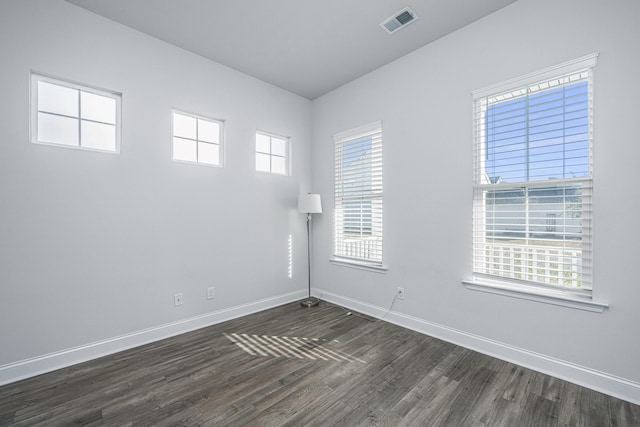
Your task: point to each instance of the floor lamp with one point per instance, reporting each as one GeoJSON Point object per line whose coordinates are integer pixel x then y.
{"type": "Point", "coordinates": [309, 204]}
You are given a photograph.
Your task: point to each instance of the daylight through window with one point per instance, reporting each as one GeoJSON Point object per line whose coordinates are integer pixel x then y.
{"type": "Point", "coordinates": [358, 194]}
{"type": "Point", "coordinates": [533, 179]}
{"type": "Point", "coordinates": [72, 115]}
{"type": "Point", "coordinates": [272, 153]}
{"type": "Point", "coordinates": [197, 139]}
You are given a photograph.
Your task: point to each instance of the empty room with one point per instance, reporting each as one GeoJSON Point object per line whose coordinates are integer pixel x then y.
{"type": "Point", "coordinates": [331, 213]}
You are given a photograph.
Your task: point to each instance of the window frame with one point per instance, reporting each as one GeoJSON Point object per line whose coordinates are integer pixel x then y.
{"type": "Point", "coordinates": [375, 198]}
{"type": "Point", "coordinates": [555, 294]}
{"type": "Point", "coordinates": [198, 118]}
{"type": "Point", "coordinates": [36, 77]}
{"type": "Point", "coordinates": [286, 157]}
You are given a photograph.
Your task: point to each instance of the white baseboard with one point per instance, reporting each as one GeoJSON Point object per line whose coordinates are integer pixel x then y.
{"type": "Point", "coordinates": [50, 362]}
{"type": "Point", "coordinates": [583, 376]}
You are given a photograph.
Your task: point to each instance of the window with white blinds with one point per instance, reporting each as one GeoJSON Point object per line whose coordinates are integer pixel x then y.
{"type": "Point", "coordinates": [358, 195]}
{"type": "Point", "coordinates": [532, 212]}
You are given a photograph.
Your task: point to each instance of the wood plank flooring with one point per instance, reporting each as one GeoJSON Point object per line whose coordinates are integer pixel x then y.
{"type": "Point", "coordinates": [296, 366]}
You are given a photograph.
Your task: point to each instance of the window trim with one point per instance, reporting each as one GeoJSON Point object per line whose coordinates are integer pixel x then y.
{"type": "Point", "coordinates": [342, 260]}
{"type": "Point", "coordinates": [221, 145]}
{"type": "Point", "coordinates": [287, 156]}
{"type": "Point", "coordinates": [36, 77]}
{"type": "Point", "coordinates": [360, 265]}
{"type": "Point", "coordinates": [534, 293]}
{"type": "Point", "coordinates": [568, 297]}
{"type": "Point", "coordinates": [584, 62]}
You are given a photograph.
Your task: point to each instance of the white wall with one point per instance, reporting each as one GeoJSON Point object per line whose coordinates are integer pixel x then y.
{"type": "Point", "coordinates": [92, 245]}
{"type": "Point", "coordinates": [424, 101]}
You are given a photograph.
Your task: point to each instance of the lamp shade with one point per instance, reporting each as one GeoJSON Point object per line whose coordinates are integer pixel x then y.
{"type": "Point", "coordinates": [309, 203]}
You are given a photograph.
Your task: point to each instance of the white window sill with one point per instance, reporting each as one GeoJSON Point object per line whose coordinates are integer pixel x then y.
{"type": "Point", "coordinates": [534, 294]}
{"type": "Point", "coordinates": [377, 268]}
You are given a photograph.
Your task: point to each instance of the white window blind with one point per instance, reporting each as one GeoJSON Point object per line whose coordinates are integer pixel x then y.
{"type": "Point", "coordinates": [358, 195]}
{"type": "Point", "coordinates": [532, 212]}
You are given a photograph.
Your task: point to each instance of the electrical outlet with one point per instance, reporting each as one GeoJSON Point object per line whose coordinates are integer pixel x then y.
{"type": "Point", "coordinates": [400, 293]}
{"type": "Point", "coordinates": [211, 292]}
{"type": "Point", "coordinates": [177, 299]}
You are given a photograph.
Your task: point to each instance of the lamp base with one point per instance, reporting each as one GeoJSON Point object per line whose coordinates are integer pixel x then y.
{"type": "Point", "coordinates": [309, 302]}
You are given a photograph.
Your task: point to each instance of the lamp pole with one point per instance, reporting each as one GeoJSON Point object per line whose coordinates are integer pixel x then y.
{"type": "Point", "coordinates": [309, 301]}
{"type": "Point", "coordinates": [309, 203]}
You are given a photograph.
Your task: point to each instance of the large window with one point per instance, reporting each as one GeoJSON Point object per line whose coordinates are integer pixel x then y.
{"type": "Point", "coordinates": [272, 153]}
{"type": "Point", "coordinates": [533, 179]}
{"type": "Point", "coordinates": [358, 195]}
{"type": "Point", "coordinates": [72, 115]}
{"type": "Point", "coordinates": [197, 139]}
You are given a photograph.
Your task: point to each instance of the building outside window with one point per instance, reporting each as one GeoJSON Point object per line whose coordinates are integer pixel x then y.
{"type": "Point", "coordinates": [533, 179]}
{"type": "Point", "coordinates": [358, 195]}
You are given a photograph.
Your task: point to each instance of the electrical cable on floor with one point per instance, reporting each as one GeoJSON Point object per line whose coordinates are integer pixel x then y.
{"type": "Point", "coordinates": [369, 318]}
{"type": "Point", "coordinates": [349, 312]}
{"type": "Point", "coordinates": [395, 297]}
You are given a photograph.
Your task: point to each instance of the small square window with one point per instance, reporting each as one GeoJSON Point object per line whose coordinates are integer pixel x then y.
{"type": "Point", "coordinates": [197, 139]}
{"type": "Point", "coordinates": [71, 115]}
{"type": "Point", "coordinates": [272, 154]}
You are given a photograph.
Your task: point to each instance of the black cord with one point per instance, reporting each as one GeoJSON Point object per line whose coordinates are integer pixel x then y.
{"type": "Point", "coordinates": [391, 306]}
{"type": "Point", "coordinates": [351, 313]}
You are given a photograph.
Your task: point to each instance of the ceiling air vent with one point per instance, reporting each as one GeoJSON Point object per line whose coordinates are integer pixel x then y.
{"type": "Point", "coordinates": [399, 20]}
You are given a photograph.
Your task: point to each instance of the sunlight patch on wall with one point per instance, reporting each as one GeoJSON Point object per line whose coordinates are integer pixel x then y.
{"type": "Point", "coordinates": [290, 271]}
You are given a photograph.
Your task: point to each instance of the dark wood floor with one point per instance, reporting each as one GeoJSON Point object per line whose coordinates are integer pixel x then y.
{"type": "Point", "coordinates": [298, 366]}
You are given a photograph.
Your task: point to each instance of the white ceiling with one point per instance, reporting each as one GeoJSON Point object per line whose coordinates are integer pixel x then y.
{"type": "Point", "coordinates": [304, 46]}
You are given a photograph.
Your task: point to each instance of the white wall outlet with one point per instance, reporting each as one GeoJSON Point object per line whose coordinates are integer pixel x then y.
{"type": "Point", "coordinates": [211, 292]}
{"type": "Point", "coordinates": [400, 293]}
{"type": "Point", "coordinates": [177, 299]}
